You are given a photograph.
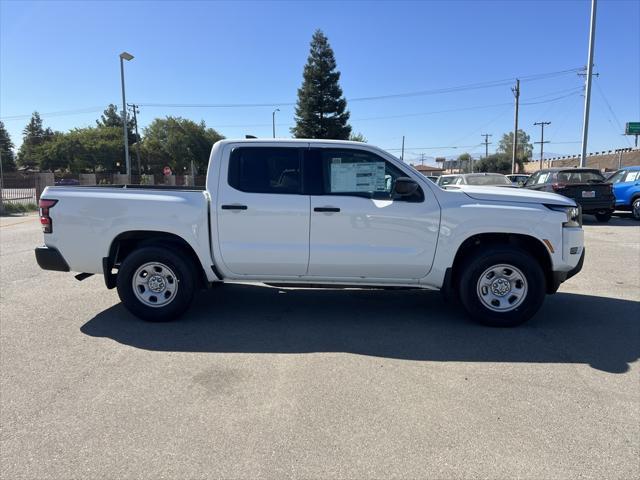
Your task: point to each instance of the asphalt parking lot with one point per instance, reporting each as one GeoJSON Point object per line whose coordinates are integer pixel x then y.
{"type": "Point", "coordinates": [260, 382]}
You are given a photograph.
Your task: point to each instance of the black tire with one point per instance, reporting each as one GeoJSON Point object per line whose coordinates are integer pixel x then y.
{"type": "Point", "coordinates": [478, 264]}
{"type": "Point", "coordinates": [180, 269]}
{"type": "Point", "coordinates": [603, 217]}
{"type": "Point", "coordinates": [635, 208]}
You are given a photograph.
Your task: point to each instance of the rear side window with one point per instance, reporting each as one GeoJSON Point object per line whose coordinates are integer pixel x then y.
{"type": "Point", "coordinates": [541, 178]}
{"type": "Point", "coordinates": [265, 170]}
{"type": "Point", "coordinates": [632, 176]}
{"type": "Point", "coordinates": [580, 177]}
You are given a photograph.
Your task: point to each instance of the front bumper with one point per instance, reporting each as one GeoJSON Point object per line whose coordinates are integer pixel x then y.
{"type": "Point", "coordinates": [559, 277]}
{"type": "Point", "coordinates": [51, 259]}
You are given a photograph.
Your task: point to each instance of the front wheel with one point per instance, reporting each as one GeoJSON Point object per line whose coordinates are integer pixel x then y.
{"type": "Point", "coordinates": [502, 286]}
{"type": "Point", "coordinates": [156, 284]}
{"type": "Point", "coordinates": [635, 208]}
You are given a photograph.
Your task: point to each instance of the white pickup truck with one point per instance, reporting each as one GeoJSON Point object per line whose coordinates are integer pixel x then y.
{"type": "Point", "coordinates": [315, 213]}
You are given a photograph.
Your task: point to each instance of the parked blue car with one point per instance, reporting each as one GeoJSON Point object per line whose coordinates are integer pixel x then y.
{"type": "Point", "coordinates": [626, 188]}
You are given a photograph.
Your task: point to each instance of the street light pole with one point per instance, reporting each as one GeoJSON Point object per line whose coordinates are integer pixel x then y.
{"type": "Point", "coordinates": [273, 121]}
{"type": "Point", "coordinates": [125, 56]}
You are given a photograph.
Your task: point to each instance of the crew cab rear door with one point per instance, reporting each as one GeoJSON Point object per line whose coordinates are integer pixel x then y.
{"type": "Point", "coordinates": [262, 214]}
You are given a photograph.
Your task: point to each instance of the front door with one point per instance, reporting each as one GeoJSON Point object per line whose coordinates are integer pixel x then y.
{"type": "Point", "coordinates": [263, 217]}
{"type": "Point", "coordinates": [359, 227]}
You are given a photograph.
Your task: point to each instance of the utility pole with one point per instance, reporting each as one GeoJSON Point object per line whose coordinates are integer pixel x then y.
{"type": "Point", "coordinates": [587, 97]}
{"type": "Point", "coordinates": [486, 143]}
{"type": "Point", "coordinates": [135, 109]}
{"type": "Point", "coordinates": [516, 94]}
{"type": "Point", "coordinates": [542, 142]}
{"type": "Point", "coordinates": [402, 153]}
{"type": "Point", "coordinates": [422, 158]}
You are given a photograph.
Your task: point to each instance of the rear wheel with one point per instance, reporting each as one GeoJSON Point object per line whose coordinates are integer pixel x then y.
{"type": "Point", "coordinates": [603, 216]}
{"type": "Point", "coordinates": [502, 286]}
{"type": "Point", "coordinates": [156, 284]}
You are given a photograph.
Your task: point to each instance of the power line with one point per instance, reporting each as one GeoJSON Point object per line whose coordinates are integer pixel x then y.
{"type": "Point", "coordinates": [417, 114]}
{"type": "Point", "coordinates": [56, 114]}
{"type": "Point", "coordinates": [615, 117]}
{"type": "Point", "coordinates": [472, 86]}
{"type": "Point", "coordinates": [432, 148]}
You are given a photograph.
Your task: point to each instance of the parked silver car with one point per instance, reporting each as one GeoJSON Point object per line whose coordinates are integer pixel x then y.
{"type": "Point", "coordinates": [496, 179]}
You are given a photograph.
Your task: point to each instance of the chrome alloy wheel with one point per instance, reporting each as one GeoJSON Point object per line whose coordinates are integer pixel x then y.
{"type": "Point", "coordinates": [502, 288]}
{"type": "Point", "coordinates": [635, 209]}
{"type": "Point", "coordinates": [155, 284]}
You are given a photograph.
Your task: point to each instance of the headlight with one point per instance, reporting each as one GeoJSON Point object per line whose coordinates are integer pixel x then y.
{"type": "Point", "coordinates": [574, 215]}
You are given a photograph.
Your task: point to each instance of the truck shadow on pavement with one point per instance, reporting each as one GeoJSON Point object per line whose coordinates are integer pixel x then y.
{"type": "Point", "coordinates": [404, 324]}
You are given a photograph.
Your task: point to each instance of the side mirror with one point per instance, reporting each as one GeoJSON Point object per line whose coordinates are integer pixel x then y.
{"type": "Point", "coordinates": [405, 186]}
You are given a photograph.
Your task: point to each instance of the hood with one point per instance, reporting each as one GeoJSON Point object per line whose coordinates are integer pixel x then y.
{"type": "Point", "coordinates": [518, 195]}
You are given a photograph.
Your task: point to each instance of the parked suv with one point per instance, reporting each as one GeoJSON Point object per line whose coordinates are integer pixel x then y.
{"type": "Point", "coordinates": [626, 189]}
{"type": "Point", "coordinates": [586, 186]}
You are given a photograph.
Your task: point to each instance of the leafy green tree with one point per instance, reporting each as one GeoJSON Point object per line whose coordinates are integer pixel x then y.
{"type": "Point", "coordinates": [80, 150]}
{"type": "Point", "coordinates": [176, 142]}
{"type": "Point", "coordinates": [111, 117]}
{"type": "Point", "coordinates": [464, 161]}
{"type": "Point", "coordinates": [498, 163]}
{"type": "Point", "coordinates": [34, 137]}
{"type": "Point", "coordinates": [6, 150]}
{"type": "Point", "coordinates": [358, 137]}
{"type": "Point", "coordinates": [321, 111]}
{"type": "Point", "coordinates": [525, 148]}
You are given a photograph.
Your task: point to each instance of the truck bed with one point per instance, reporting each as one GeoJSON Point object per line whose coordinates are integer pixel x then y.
{"type": "Point", "coordinates": [131, 186]}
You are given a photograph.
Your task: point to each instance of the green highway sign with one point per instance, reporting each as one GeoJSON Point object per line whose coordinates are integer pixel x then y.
{"type": "Point", "coordinates": [633, 128]}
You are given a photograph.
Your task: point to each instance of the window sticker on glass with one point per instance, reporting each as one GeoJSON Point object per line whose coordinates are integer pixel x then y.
{"type": "Point", "coordinates": [358, 177]}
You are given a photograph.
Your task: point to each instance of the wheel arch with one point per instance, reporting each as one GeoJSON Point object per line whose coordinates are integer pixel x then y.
{"type": "Point", "coordinates": [127, 242]}
{"type": "Point", "coordinates": [482, 240]}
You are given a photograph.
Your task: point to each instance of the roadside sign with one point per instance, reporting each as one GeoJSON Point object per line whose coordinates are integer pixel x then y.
{"type": "Point", "coordinates": [632, 128]}
{"type": "Point", "coordinates": [166, 171]}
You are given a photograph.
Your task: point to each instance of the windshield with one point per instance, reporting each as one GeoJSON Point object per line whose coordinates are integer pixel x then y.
{"type": "Point", "coordinates": [488, 180]}
{"type": "Point", "coordinates": [587, 176]}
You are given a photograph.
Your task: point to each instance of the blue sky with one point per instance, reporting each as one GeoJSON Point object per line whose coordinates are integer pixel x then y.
{"type": "Point", "coordinates": [63, 56]}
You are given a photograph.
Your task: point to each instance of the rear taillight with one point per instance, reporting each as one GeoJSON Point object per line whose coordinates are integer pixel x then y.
{"type": "Point", "coordinates": [558, 186]}
{"type": "Point", "coordinates": [45, 220]}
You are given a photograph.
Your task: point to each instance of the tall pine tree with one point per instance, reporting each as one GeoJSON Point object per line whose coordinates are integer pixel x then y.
{"type": "Point", "coordinates": [6, 150]}
{"type": "Point", "coordinates": [321, 111]}
{"type": "Point", "coordinates": [34, 136]}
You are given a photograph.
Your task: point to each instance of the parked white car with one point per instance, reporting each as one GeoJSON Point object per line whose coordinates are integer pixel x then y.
{"type": "Point", "coordinates": [315, 212]}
